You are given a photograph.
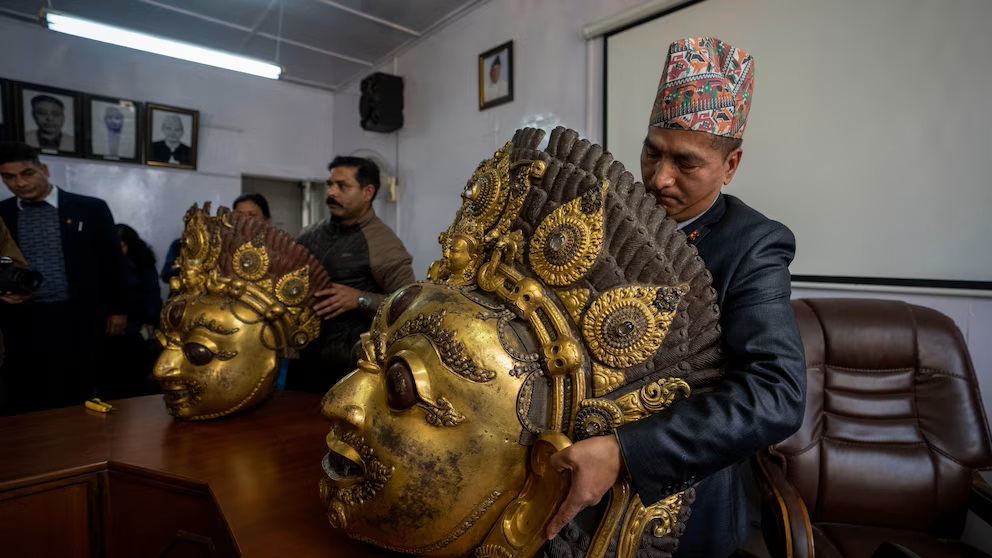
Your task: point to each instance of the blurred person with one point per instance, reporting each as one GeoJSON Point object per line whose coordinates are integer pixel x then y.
{"type": "Point", "coordinates": [52, 339]}
{"type": "Point", "coordinates": [127, 359]}
{"type": "Point", "coordinates": [253, 205]}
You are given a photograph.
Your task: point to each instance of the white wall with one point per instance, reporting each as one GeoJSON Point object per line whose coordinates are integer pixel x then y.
{"type": "Point", "coordinates": [445, 135]}
{"type": "Point", "coordinates": [248, 125]}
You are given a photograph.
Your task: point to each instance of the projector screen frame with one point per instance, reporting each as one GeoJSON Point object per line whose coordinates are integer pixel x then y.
{"type": "Point", "coordinates": [964, 287]}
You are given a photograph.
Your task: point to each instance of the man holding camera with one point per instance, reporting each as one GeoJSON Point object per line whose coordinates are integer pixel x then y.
{"type": "Point", "coordinates": [52, 339]}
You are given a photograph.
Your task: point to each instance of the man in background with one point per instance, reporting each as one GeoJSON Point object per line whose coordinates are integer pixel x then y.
{"type": "Point", "coordinates": [496, 86]}
{"type": "Point", "coordinates": [691, 151]}
{"type": "Point", "coordinates": [366, 262]}
{"type": "Point", "coordinates": [48, 113]}
{"type": "Point", "coordinates": [52, 339]}
{"type": "Point", "coordinates": [171, 149]}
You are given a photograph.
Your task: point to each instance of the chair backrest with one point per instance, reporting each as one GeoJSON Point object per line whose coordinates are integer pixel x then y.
{"type": "Point", "coordinates": [894, 425]}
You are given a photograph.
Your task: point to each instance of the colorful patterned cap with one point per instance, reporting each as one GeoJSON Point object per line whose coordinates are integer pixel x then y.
{"type": "Point", "coordinates": [706, 87]}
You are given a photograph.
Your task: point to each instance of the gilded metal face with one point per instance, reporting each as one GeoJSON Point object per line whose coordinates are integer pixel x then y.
{"type": "Point", "coordinates": [217, 357]}
{"type": "Point", "coordinates": [425, 436]}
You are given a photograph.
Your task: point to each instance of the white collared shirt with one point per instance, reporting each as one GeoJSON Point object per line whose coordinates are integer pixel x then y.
{"type": "Point", "coordinates": [52, 198]}
{"type": "Point", "coordinates": [688, 222]}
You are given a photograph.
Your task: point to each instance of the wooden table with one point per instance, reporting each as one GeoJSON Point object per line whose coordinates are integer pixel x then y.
{"type": "Point", "coordinates": [136, 482]}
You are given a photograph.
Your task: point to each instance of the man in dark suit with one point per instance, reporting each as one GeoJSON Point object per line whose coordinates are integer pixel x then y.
{"type": "Point", "coordinates": [171, 149]}
{"type": "Point", "coordinates": [52, 339]}
{"type": "Point", "coordinates": [692, 150]}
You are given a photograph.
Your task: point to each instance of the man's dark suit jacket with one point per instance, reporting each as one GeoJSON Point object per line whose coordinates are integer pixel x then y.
{"type": "Point", "coordinates": [758, 402]}
{"type": "Point", "coordinates": [161, 152]}
{"type": "Point", "coordinates": [94, 263]}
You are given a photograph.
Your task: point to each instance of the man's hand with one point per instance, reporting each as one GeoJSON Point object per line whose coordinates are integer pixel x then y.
{"type": "Point", "coordinates": [14, 298]}
{"type": "Point", "coordinates": [595, 465]}
{"type": "Point", "coordinates": [339, 299]}
{"type": "Point", "coordinates": [116, 324]}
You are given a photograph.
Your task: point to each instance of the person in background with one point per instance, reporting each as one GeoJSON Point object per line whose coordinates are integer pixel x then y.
{"type": "Point", "coordinates": [250, 204]}
{"type": "Point", "coordinates": [8, 249]}
{"type": "Point", "coordinates": [127, 359]}
{"type": "Point", "coordinates": [366, 262]}
{"type": "Point", "coordinates": [53, 340]}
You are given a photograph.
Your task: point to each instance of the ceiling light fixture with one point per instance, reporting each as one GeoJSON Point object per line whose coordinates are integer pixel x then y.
{"type": "Point", "coordinates": [87, 29]}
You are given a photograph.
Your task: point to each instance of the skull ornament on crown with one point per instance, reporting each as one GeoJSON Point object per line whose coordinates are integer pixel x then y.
{"type": "Point", "coordinates": [566, 304]}
{"type": "Point", "coordinates": [240, 303]}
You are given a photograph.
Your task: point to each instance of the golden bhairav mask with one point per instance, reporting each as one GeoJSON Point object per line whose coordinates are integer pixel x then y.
{"type": "Point", "coordinates": [565, 305]}
{"type": "Point", "coordinates": [239, 304]}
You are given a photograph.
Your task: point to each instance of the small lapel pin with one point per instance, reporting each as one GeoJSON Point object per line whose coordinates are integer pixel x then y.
{"type": "Point", "coordinates": [693, 235]}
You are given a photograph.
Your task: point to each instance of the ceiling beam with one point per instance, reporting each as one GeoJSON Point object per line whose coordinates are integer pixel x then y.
{"type": "Point", "coordinates": [258, 23]}
{"type": "Point", "coordinates": [306, 46]}
{"type": "Point", "coordinates": [370, 17]}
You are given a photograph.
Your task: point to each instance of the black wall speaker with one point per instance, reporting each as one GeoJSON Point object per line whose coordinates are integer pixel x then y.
{"type": "Point", "coordinates": [381, 105]}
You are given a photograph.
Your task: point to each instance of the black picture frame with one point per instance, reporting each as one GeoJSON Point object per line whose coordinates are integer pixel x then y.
{"type": "Point", "coordinates": [100, 116]}
{"type": "Point", "coordinates": [37, 106]}
{"type": "Point", "coordinates": [7, 114]}
{"type": "Point", "coordinates": [160, 120]}
{"type": "Point", "coordinates": [499, 91]}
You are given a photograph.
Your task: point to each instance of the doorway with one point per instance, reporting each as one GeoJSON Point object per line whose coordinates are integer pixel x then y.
{"type": "Point", "coordinates": [285, 199]}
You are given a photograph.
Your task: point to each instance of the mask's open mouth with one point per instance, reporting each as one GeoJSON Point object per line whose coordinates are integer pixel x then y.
{"type": "Point", "coordinates": [176, 396]}
{"type": "Point", "coordinates": [343, 465]}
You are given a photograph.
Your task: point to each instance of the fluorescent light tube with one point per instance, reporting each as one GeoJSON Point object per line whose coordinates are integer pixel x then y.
{"type": "Point", "coordinates": [166, 47]}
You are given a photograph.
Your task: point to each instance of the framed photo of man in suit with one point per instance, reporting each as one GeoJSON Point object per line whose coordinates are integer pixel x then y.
{"type": "Point", "coordinates": [49, 119]}
{"type": "Point", "coordinates": [171, 136]}
{"type": "Point", "coordinates": [496, 76]}
{"type": "Point", "coordinates": [113, 129]}
{"type": "Point", "coordinates": [6, 111]}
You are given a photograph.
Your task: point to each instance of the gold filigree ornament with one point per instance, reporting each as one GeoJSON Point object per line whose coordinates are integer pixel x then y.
{"type": "Point", "coordinates": [626, 325]}
{"type": "Point", "coordinates": [239, 304]}
{"type": "Point", "coordinates": [490, 202]}
{"type": "Point", "coordinates": [558, 311]}
{"type": "Point", "coordinates": [569, 240]}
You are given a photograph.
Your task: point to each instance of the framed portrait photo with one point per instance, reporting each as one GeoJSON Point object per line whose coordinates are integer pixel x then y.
{"type": "Point", "coordinates": [496, 76]}
{"type": "Point", "coordinates": [6, 111]}
{"type": "Point", "coordinates": [49, 119]}
{"type": "Point", "coordinates": [113, 129]}
{"type": "Point", "coordinates": [170, 136]}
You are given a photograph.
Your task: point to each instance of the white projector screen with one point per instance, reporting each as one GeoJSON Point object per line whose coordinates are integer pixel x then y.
{"type": "Point", "coordinates": [870, 133]}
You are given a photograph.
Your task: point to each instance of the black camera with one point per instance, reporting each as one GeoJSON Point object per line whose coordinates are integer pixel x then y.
{"type": "Point", "coordinates": [17, 279]}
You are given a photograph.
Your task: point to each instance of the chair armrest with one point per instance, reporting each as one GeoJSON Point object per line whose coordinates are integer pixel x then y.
{"type": "Point", "coordinates": [785, 522]}
{"type": "Point", "coordinates": [980, 498]}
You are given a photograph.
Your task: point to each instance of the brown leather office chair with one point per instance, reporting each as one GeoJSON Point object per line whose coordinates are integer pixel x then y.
{"type": "Point", "coordinates": [893, 434]}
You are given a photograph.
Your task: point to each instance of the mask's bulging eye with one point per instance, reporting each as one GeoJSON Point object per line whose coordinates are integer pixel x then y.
{"type": "Point", "coordinates": [401, 393]}
{"type": "Point", "coordinates": [401, 302]}
{"type": "Point", "coordinates": [197, 354]}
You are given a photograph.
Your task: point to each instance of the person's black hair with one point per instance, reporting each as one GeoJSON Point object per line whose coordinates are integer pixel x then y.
{"type": "Point", "coordinates": [138, 250]}
{"type": "Point", "coordinates": [255, 198]}
{"type": "Point", "coordinates": [495, 62]}
{"type": "Point", "coordinates": [16, 151]}
{"type": "Point", "coordinates": [46, 99]}
{"type": "Point", "coordinates": [725, 144]}
{"type": "Point", "coordinates": [366, 171]}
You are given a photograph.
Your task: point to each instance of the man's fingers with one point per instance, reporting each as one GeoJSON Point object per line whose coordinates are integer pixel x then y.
{"type": "Point", "coordinates": [569, 509]}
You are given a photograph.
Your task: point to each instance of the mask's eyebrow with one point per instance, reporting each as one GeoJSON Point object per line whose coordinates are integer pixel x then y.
{"type": "Point", "coordinates": [211, 325]}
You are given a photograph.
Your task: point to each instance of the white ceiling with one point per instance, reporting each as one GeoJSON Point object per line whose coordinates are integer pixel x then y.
{"type": "Point", "coordinates": [322, 43]}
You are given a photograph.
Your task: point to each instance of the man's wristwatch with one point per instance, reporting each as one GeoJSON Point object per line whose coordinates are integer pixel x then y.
{"type": "Point", "coordinates": [364, 300]}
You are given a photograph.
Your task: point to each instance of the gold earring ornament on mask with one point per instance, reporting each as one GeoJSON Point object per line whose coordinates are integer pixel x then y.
{"type": "Point", "coordinates": [565, 305]}
{"type": "Point", "coordinates": [240, 303]}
